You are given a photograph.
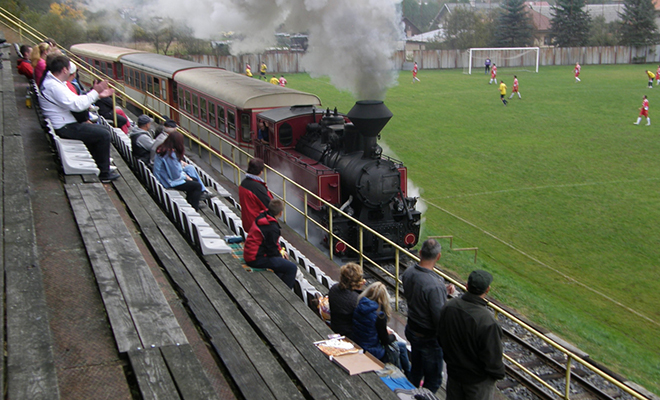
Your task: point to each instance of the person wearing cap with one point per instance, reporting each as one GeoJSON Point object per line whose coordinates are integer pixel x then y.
{"type": "Point", "coordinates": [142, 144]}
{"type": "Point", "coordinates": [471, 340]}
{"type": "Point", "coordinates": [426, 294]}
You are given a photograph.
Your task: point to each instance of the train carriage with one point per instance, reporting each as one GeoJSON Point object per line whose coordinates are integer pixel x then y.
{"type": "Point", "coordinates": [104, 58]}
{"type": "Point", "coordinates": [150, 80]}
{"type": "Point", "coordinates": [228, 103]}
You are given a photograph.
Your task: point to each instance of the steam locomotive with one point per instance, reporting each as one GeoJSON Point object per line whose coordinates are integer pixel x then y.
{"type": "Point", "coordinates": [335, 156]}
{"type": "Point", "coordinates": [339, 158]}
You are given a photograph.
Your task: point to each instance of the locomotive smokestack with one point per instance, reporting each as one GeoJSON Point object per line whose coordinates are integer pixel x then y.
{"type": "Point", "coordinates": [370, 117]}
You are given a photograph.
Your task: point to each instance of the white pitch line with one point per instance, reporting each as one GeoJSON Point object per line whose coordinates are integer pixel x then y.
{"type": "Point", "coordinates": [543, 187]}
{"type": "Point", "coordinates": [570, 278]}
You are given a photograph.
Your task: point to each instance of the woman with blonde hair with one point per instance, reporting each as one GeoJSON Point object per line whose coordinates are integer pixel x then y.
{"type": "Point", "coordinates": [343, 298]}
{"type": "Point", "coordinates": [38, 59]}
{"type": "Point", "coordinates": [370, 327]}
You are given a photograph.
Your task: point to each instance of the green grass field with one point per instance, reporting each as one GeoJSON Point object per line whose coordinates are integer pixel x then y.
{"type": "Point", "coordinates": [559, 190]}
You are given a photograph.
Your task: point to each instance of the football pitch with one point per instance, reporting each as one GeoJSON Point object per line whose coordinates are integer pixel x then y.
{"type": "Point", "coordinates": [559, 190]}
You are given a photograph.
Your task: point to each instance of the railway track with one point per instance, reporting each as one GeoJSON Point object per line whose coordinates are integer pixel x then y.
{"type": "Point", "coordinates": [530, 360]}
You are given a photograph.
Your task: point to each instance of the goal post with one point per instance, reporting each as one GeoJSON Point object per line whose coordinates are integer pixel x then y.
{"type": "Point", "coordinates": [506, 57]}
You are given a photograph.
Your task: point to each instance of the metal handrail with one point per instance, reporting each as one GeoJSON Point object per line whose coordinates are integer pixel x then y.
{"type": "Point", "coordinates": [398, 249]}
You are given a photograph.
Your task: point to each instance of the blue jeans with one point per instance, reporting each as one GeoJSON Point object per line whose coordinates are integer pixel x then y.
{"type": "Point", "coordinates": [426, 359]}
{"type": "Point", "coordinates": [283, 268]}
{"type": "Point", "coordinates": [192, 172]}
{"type": "Point", "coordinates": [403, 358]}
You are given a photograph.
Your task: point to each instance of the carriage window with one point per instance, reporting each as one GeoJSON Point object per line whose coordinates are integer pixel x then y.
{"type": "Point", "coordinates": [150, 84]}
{"type": "Point", "coordinates": [143, 81]}
{"type": "Point", "coordinates": [187, 105]}
{"type": "Point", "coordinates": [179, 95]}
{"type": "Point", "coordinates": [195, 107]}
{"type": "Point", "coordinates": [120, 72]}
{"type": "Point", "coordinates": [286, 134]}
{"type": "Point", "coordinates": [245, 127]}
{"type": "Point", "coordinates": [108, 68]}
{"type": "Point", "coordinates": [164, 91]}
{"type": "Point", "coordinates": [231, 122]}
{"type": "Point", "coordinates": [157, 87]}
{"type": "Point", "coordinates": [131, 76]}
{"type": "Point", "coordinates": [212, 114]}
{"type": "Point", "coordinates": [202, 109]}
{"type": "Point", "coordinates": [221, 118]}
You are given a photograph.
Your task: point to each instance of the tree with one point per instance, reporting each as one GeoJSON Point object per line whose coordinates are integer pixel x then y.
{"type": "Point", "coordinates": [514, 28]}
{"type": "Point", "coordinates": [638, 27]}
{"type": "Point", "coordinates": [420, 13]}
{"type": "Point", "coordinates": [465, 28]}
{"type": "Point", "coordinates": [602, 33]}
{"type": "Point", "coordinates": [570, 23]}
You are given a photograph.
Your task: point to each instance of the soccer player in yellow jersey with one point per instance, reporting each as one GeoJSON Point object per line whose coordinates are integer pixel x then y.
{"type": "Point", "coordinates": [651, 76]}
{"type": "Point", "coordinates": [503, 92]}
{"type": "Point", "coordinates": [262, 70]}
{"type": "Point", "coordinates": [274, 80]}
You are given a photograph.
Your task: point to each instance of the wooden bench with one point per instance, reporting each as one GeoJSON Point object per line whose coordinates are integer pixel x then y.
{"type": "Point", "coordinates": [250, 364]}
{"type": "Point", "coordinates": [30, 368]}
{"type": "Point", "coordinates": [142, 321]}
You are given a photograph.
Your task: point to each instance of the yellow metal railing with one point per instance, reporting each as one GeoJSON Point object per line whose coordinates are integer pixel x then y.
{"type": "Point", "coordinates": [231, 161]}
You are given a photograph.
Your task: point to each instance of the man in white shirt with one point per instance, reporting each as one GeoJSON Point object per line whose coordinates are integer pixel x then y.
{"type": "Point", "coordinates": [57, 102]}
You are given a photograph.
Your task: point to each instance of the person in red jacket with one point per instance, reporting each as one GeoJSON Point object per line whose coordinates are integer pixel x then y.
{"type": "Point", "coordinates": [253, 193]}
{"type": "Point", "coordinates": [23, 64]}
{"type": "Point", "coordinates": [262, 246]}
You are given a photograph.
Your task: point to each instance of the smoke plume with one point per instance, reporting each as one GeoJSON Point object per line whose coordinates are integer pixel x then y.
{"type": "Point", "coordinates": [350, 41]}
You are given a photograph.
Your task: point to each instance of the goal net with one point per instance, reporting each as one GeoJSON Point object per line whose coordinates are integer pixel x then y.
{"type": "Point", "coordinates": [517, 58]}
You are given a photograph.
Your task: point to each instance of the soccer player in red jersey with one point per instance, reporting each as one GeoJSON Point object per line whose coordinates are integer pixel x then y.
{"type": "Point", "coordinates": [414, 71]}
{"type": "Point", "coordinates": [515, 87]}
{"type": "Point", "coordinates": [577, 72]}
{"type": "Point", "coordinates": [493, 74]}
{"type": "Point", "coordinates": [644, 112]}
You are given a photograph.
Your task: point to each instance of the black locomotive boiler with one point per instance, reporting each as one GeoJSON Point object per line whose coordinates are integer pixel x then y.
{"type": "Point", "coordinates": [338, 158]}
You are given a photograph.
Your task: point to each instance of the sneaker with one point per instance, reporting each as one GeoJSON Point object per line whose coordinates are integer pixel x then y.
{"type": "Point", "coordinates": [206, 195]}
{"type": "Point", "coordinates": [112, 168]}
{"type": "Point", "coordinates": [108, 177]}
{"type": "Point", "coordinates": [635, 123]}
{"type": "Point", "coordinates": [648, 124]}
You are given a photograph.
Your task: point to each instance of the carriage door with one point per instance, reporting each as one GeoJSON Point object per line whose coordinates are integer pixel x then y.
{"type": "Point", "coordinates": [246, 133]}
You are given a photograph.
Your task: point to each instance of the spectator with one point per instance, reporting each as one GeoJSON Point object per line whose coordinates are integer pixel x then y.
{"type": "Point", "coordinates": [168, 169]}
{"type": "Point", "coordinates": [169, 126]}
{"type": "Point", "coordinates": [426, 294]}
{"type": "Point", "coordinates": [262, 246]}
{"type": "Point", "coordinates": [38, 59]}
{"type": "Point", "coordinates": [81, 116]}
{"type": "Point", "coordinates": [57, 104]}
{"type": "Point", "coordinates": [370, 327]}
{"type": "Point", "coordinates": [142, 144]}
{"type": "Point", "coordinates": [106, 111]}
{"type": "Point", "coordinates": [343, 298]}
{"type": "Point", "coordinates": [472, 342]}
{"type": "Point", "coordinates": [253, 194]}
{"type": "Point", "coordinates": [23, 63]}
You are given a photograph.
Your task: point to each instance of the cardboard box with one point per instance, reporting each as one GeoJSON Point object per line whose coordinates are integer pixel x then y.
{"type": "Point", "coordinates": [355, 361]}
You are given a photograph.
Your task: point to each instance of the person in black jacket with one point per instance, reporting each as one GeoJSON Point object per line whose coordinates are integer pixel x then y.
{"type": "Point", "coordinates": [343, 297]}
{"type": "Point", "coordinates": [472, 342]}
{"type": "Point", "coordinates": [262, 246]}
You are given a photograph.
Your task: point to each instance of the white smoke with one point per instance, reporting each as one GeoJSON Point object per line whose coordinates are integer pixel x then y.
{"type": "Point", "coordinates": [350, 41]}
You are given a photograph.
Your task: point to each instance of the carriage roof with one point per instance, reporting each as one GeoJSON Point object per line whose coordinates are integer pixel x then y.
{"type": "Point", "coordinates": [102, 51]}
{"type": "Point", "coordinates": [242, 91]}
{"type": "Point", "coordinates": [284, 113]}
{"type": "Point", "coordinates": [159, 64]}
